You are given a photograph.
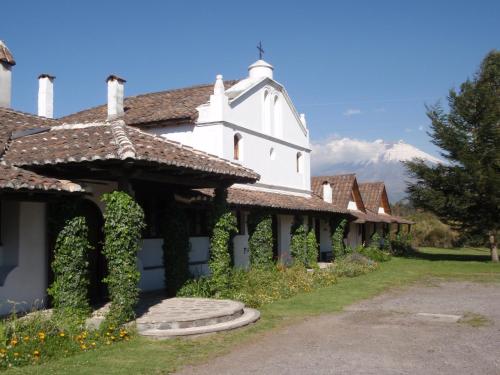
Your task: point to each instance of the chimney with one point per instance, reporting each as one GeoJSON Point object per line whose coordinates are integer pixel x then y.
{"type": "Point", "coordinates": [6, 64]}
{"type": "Point", "coordinates": [115, 96]}
{"type": "Point", "coordinates": [260, 69]}
{"type": "Point", "coordinates": [46, 95]}
{"type": "Point", "coordinates": [327, 192]}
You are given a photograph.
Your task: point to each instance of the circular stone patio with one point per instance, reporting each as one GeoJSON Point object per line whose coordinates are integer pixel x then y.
{"type": "Point", "coordinates": [174, 317]}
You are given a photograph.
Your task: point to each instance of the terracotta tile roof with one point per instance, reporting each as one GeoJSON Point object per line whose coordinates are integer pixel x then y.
{"type": "Point", "coordinates": [372, 194]}
{"type": "Point", "coordinates": [12, 121]}
{"type": "Point", "coordinates": [256, 198]}
{"type": "Point", "coordinates": [5, 55]}
{"type": "Point", "coordinates": [177, 105]}
{"type": "Point", "coordinates": [342, 187]}
{"type": "Point", "coordinates": [67, 144]}
{"type": "Point", "coordinates": [13, 178]}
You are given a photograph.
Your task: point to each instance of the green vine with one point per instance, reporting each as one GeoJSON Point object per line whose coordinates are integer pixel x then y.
{"type": "Point", "coordinates": [123, 225]}
{"type": "Point", "coordinates": [176, 247]}
{"type": "Point", "coordinates": [70, 267]}
{"type": "Point", "coordinates": [312, 250]}
{"type": "Point", "coordinates": [220, 259]}
{"type": "Point", "coordinates": [338, 246]}
{"type": "Point", "coordinates": [298, 242]}
{"type": "Point", "coordinates": [260, 241]}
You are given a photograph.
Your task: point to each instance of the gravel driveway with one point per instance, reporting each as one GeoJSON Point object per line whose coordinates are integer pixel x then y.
{"type": "Point", "coordinates": [410, 331]}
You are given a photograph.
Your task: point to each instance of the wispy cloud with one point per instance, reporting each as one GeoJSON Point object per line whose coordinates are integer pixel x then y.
{"type": "Point", "coordinates": [352, 111]}
{"type": "Point", "coordinates": [421, 128]}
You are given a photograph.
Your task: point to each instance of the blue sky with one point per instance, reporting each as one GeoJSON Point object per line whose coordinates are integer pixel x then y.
{"type": "Point", "coordinates": [358, 69]}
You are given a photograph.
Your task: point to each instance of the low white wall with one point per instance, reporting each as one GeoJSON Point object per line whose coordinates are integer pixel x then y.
{"type": "Point", "coordinates": [150, 261]}
{"type": "Point", "coordinates": [354, 238]}
{"type": "Point", "coordinates": [284, 227]}
{"type": "Point", "coordinates": [241, 253]}
{"type": "Point", "coordinates": [25, 254]}
{"type": "Point", "coordinates": [325, 238]}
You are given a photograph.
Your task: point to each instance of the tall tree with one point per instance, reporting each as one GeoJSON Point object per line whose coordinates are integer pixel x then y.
{"type": "Point", "coordinates": [465, 192]}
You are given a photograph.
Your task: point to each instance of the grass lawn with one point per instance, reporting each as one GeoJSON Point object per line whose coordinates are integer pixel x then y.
{"type": "Point", "coordinates": [143, 356]}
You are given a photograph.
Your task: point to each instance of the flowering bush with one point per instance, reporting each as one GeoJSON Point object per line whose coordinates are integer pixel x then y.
{"type": "Point", "coordinates": [38, 337]}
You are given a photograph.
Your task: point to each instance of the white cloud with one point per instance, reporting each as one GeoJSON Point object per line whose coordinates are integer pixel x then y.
{"type": "Point", "coordinates": [352, 111]}
{"type": "Point", "coordinates": [421, 128]}
{"type": "Point", "coordinates": [344, 150]}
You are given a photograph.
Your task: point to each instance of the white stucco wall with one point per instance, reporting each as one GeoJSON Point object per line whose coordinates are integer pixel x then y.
{"type": "Point", "coordinates": [24, 249]}
{"type": "Point", "coordinates": [284, 133]}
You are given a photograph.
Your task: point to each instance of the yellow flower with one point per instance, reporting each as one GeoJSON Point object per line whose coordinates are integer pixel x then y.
{"type": "Point", "coordinates": [16, 354]}
{"type": "Point", "coordinates": [41, 336]}
{"type": "Point", "coordinates": [36, 354]}
{"type": "Point", "coordinates": [93, 344]}
{"type": "Point", "coordinates": [62, 334]}
{"type": "Point", "coordinates": [26, 338]}
{"type": "Point", "coordinates": [13, 342]}
{"type": "Point", "coordinates": [83, 346]}
{"type": "Point", "coordinates": [113, 338]}
{"type": "Point", "coordinates": [108, 342]}
{"type": "Point", "coordinates": [3, 351]}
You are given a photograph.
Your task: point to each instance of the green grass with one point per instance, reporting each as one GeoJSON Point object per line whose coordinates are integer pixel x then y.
{"type": "Point", "coordinates": [143, 356]}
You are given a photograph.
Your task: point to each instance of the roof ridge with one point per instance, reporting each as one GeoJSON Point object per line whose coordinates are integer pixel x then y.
{"type": "Point", "coordinates": [126, 148]}
{"type": "Point", "coordinates": [151, 93]}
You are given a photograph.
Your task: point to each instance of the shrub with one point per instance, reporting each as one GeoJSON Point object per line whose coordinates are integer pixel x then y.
{"type": "Point", "coordinates": [176, 248]}
{"type": "Point", "coordinates": [312, 250]}
{"type": "Point", "coordinates": [70, 267]}
{"type": "Point", "coordinates": [352, 265]}
{"type": "Point", "coordinates": [201, 287]}
{"type": "Point", "coordinates": [338, 246]}
{"type": "Point", "coordinates": [123, 224]}
{"type": "Point", "coordinates": [260, 241]}
{"type": "Point", "coordinates": [401, 244]}
{"type": "Point", "coordinates": [376, 241]}
{"type": "Point", "coordinates": [374, 254]}
{"type": "Point", "coordinates": [428, 230]}
{"type": "Point", "coordinates": [298, 243]}
{"type": "Point", "coordinates": [220, 259]}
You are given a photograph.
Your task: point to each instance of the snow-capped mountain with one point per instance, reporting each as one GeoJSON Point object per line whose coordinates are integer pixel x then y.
{"type": "Point", "coordinates": [371, 161]}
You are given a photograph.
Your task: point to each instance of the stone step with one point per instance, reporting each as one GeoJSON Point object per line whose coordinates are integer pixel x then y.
{"type": "Point", "coordinates": [180, 313]}
{"type": "Point", "coordinates": [248, 316]}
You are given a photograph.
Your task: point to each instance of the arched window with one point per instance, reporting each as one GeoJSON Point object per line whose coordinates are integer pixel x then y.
{"type": "Point", "coordinates": [266, 113]}
{"type": "Point", "coordinates": [237, 147]}
{"type": "Point", "coordinates": [298, 162]}
{"type": "Point", "coordinates": [277, 124]}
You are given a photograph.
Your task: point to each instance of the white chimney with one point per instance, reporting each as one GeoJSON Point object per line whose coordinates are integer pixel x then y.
{"type": "Point", "coordinates": [327, 192]}
{"type": "Point", "coordinates": [6, 64]}
{"type": "Point", "coordinates": [115, 96]}
{"type": "Point", "coordinates": [46, 95]}
{"type": "Point", "coordinates": [260, 69]}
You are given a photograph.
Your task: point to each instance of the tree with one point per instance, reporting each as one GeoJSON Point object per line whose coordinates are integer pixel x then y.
{"type": "Point", "coordinates": [465, 191]}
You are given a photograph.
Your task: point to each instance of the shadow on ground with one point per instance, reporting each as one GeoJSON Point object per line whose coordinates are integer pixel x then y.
{"type": "Point", "coordinates": [455, 256]}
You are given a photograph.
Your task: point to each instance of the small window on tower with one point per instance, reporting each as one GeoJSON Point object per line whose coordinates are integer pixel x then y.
{"type": "Point", "coordinates": [298, 162]}
{"type": "Point", "coordinates": [237, 147]}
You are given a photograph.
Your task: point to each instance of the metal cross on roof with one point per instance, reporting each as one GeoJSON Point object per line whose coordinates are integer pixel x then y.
{"type": "Point", "coordinates": [261, 50]}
